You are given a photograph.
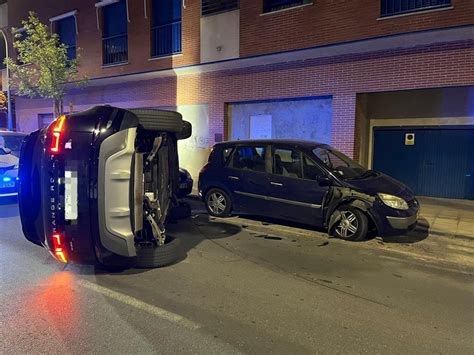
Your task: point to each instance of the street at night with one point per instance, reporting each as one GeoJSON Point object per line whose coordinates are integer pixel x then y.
{"type": "Point", "coordinates": [237, 289]}
{"type": "Point", "coordinates": [236, 176]}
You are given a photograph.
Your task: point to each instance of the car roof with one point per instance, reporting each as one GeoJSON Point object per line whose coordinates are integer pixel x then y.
{"type": "Point", "coordinates": [294, 142]}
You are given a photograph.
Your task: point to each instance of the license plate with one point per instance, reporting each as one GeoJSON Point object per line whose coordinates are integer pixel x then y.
{"type": "Point", "coordinates": [7, 185]}
{"type": "Point", "coordinates": [70, 195]}
{"type": "Point", "coordinates": [183, 186]}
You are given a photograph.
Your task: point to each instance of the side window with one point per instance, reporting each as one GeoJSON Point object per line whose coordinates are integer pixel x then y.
{"type": "Point", "coordinates": [249, 158]}
{"type": "Point", "coordinates": [331, 160]}
{"type": "Point", "coordinates": [310, 170]}
{"type": "Point", "coordinates": [226, 153]}
{"type": "Point", "coordinates": [287, 162]}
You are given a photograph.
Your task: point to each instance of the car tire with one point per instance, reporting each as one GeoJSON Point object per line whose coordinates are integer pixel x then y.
{"type": "Point", "coordinates": [353, 224]}
{"type": "Point", "coordinates": [153, 256]}
{"type": "Point", "coordinates": [186, 131]}
{"type": "Point", "coordinates": [159, 120]}
{"type": "Point", "coordinates": [214, 196]}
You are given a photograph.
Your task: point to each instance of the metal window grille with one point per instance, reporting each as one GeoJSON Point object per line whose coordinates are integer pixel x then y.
{"type": "Point", "coordinates": [397, 7]}
{"type": "Point", "coordinates": [115, 49]}
{"type": "Point", "coordinates": [210, 7]}
{"type": "Point", "coordinates": [166, 39]}
{"type": "Point", "coordinates": [275, 5]}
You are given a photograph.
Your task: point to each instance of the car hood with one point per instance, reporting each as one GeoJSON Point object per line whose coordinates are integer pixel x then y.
{"type": "Point", "coordinates": [379, 182]}
{"type": "Point", "coordinates": [8, 160]}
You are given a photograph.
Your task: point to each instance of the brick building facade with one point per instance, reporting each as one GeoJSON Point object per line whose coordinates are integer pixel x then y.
{"type": "Point", "coordinates": [343, 62]}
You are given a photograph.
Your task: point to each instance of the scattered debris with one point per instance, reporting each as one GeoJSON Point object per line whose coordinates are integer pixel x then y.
{"type": "Point", "coordinates": [244, 226]}
{"type": "Point", "coordinates": [326, 281]}
{"type": "Point", "coordinates": [323, 244]}
{"type": "Point", "coordinates": [272, 237]}
{"type": "Point", "coordinates": [396, 275]}
{"type": "Point", "coordinates": [265, 223]}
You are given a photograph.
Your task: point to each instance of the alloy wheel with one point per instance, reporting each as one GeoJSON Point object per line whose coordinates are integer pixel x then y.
{"type": "Point", "coordinates": [217, 203]}
{"type": "Point", "coordinates": [348, 225]}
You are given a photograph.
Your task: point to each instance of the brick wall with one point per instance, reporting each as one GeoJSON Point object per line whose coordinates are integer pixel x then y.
{"type": "Point", "coordinates": [341, 77]}
{"type": "Point", "coordinates": [324, 22]}
{"type": "Point", "coordinates": [89, 38]}
{"type": "Point", "coordinates": [332, 21]}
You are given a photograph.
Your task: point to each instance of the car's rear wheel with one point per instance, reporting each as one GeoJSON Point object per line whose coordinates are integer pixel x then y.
{"type": "Point", "coordinates": [218, 203]}
{"type": "Point", "coordinates": [352, 225]}
{"type": "Point", "coordinates": [151, 256]}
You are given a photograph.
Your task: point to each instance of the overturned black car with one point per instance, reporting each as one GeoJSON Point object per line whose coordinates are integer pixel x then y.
{"type": "Point", "coordinates": [96, 187]}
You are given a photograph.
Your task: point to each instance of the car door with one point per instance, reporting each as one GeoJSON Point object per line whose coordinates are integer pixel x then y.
{"type": "Point", "coordinates": [247, 176]}
{"type": "Point", "coordinates": [294, 190]}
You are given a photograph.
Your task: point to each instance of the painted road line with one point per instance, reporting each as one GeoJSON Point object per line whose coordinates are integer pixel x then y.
{"type": "Point", "coordinates": [136, 303]}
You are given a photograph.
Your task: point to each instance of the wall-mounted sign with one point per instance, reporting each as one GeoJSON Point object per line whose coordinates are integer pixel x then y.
{"type": "Point", "coordinates": [261, 127]}
{"type": "Point", "coordinates": [409, 138]}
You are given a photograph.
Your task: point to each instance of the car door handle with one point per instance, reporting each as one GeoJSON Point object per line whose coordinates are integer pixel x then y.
{"type": "Point", "coordinates": [276, 183]}
{"type": "Point", "coordinates": [233, 177]}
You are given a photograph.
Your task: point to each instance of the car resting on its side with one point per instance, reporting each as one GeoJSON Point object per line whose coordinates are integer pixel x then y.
{"type": "Point", "coordinates": [96, 187]}
{"type": "Point", "coordinates": [305, 182]}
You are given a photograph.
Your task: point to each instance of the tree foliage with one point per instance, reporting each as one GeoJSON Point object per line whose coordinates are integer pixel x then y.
{"type": "Point", "coordinates": [42, 67]}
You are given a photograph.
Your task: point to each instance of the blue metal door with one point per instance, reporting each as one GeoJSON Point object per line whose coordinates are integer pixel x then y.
{"type": "Point", "coordinates": [437, 161]}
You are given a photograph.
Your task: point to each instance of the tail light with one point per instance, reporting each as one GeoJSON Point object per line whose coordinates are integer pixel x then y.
{"type": "Point", "coordinates": [57, 130]}
{"type": "Point", "coordinates": [58, 248]}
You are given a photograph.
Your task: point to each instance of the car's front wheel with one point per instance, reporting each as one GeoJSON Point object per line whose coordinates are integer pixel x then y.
{"type": "Point", "coordinates": [352, 224]}
{"type": "Point", "coordinates": [218, 203]}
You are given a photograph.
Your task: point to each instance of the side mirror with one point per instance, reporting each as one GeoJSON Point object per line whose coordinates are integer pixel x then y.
{"type": "Point", "coordinates": [324, 181]}
{"type": "Point", "coordinates": [6, 151]}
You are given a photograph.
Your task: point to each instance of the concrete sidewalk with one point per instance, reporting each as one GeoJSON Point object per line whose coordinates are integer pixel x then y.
{"type": "Point", "coordinates": [448, 217]}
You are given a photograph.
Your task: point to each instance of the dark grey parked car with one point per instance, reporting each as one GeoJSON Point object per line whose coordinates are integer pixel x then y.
{"type": "Point", "coordinates": [305, 182]}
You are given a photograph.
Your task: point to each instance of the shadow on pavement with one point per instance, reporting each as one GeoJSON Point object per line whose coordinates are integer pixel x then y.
{"type": "Point", "coordinates": [191, 231]}
{"type": "Point", "coordinates": [420, 233]}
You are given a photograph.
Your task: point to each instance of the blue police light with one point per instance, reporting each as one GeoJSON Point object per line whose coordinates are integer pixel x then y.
{"type": "Point", "coordinates": [7, 179]}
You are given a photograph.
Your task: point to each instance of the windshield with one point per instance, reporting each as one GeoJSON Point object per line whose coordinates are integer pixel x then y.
{"type": "Point", "coordinates": [11, 142]}
{"type": "Point", "coordinates": [340, 164]}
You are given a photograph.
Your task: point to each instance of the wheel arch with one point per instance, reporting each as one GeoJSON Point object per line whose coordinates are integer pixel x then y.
{"type": "Point", "coordinates": [355, 202]}
{"type": "Point", "coordinates": [217, 185]}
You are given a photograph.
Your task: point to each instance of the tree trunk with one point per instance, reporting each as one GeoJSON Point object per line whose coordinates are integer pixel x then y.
{"type": "Point", "coordinates": [58, 108]}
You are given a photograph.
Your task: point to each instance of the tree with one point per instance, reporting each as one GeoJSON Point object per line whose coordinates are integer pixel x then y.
{"type": "Point", "coordinates": [43, 68]}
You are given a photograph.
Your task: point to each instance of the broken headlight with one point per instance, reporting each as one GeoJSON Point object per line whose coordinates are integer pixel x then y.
{"type": "Point", "coordinates": [393, 201]}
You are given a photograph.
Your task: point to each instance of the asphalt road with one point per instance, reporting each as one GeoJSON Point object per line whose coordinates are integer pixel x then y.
{"type": "Point", "coordinates": [235, 291]}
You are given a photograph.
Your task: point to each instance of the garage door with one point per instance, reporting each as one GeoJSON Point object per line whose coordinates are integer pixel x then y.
{"type": "Point", "coordinates": [436, 161]}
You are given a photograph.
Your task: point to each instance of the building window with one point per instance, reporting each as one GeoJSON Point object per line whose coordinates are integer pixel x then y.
{"type": "Point", "coordinates": [115, 37]}
{"type": "Point", "coordinates": [166, 27]}
{"type": "Point", "coordinates": [397, 7]}
{"type": "Point", "coordinates": [44, 119]}
{"type": "Point", "coordinates": [275, 5]}
{"type": "Point", "coordinates": [210, 7]}
{"type": "Point", "coordinates": [66, 30]}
